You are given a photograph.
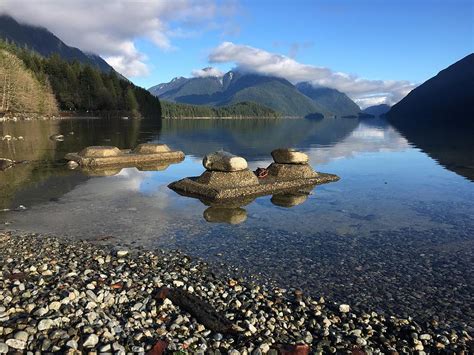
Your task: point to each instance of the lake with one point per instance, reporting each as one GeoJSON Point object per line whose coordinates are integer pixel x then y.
{"type": "Point", "coordinates": [395, 234]}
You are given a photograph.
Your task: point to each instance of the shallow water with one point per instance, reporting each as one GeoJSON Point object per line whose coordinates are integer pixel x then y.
{"type": "Point", "coordinates": [396, 233]}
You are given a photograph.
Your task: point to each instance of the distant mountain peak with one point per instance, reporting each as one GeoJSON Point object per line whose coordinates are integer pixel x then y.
{"type": "Point", "coordinates": [42, 41]}
{"type": "Point", "coordinates": [334, 100]}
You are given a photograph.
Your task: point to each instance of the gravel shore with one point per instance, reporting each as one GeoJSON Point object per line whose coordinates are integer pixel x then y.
{"type": "Point", "coordinates": [64, 296]}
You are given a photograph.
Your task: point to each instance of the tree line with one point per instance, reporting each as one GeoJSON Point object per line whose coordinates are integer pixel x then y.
{"type": "Point", "coordinates": [81, 87]}
{"type": "Point", "coordinates": [238, 110]}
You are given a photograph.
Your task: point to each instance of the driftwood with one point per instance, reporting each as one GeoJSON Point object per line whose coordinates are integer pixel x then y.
{"type": "Point", "coordinates": [199, 309]}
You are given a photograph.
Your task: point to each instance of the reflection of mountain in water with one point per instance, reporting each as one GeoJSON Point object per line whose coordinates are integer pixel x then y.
{"type": "Point", "coordinates": [30, 140]}
{"type": "Point", "coordinates": [451, 145]}
{"type": "Point", "coordinates": [254, 139]}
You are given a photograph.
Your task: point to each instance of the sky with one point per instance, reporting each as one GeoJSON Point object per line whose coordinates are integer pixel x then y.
{"type": "Point", "coordinates": [376, 51]}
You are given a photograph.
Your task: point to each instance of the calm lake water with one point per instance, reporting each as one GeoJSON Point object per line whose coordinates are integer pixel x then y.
{"type": "Point", "coordinates": [396, 233]}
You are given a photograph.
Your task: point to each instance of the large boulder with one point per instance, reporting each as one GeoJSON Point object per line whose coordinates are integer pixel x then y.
{"type": "Point", "coordinates": [5, 163]}
{"type": "Point", "coordinates": [150, 148]}
{"type": "Point", "coordinates": [100, 152]}
{"type": "Point", "coordinates": [224, 161]}
{"type": "Point", "coordinates": [226, 180]}
{"type": "Point", "coordinates": [291, 171]}
{"type": "Point", "coordinates": [289, 156]}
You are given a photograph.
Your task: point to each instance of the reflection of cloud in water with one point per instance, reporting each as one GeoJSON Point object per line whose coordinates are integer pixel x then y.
{"type": "Point", "coordinates": [364, 139]}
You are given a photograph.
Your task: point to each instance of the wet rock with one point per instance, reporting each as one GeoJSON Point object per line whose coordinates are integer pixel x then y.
{"type": "Point", "coordinates": [99, 152]}
{"type": "Point", "coordinates": [71, 164]}
{"type": "Point", "coordinates": [289, 156]}
{"type": "Point", "coordinates": [57, 137]}
{"type": "Point", "coordinates": [5, 163]}
{"type": "Point", "coordinates": [149, 148]}
{"type": "Point", "coordinates": [224, 161]}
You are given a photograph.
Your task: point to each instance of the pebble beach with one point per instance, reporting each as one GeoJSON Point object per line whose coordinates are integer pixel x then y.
{"type": "Point", "coordinates": [64, 296]}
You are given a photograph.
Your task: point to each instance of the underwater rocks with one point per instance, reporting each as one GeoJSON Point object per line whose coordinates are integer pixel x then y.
{"type": "Point", "coordinates": [64, 296]}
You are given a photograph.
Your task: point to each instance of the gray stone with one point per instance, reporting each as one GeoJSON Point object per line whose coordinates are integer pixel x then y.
{"type": "Point", "coordinates": [122, 253]}
{"type": "Point", "coordinates": [16, 344]}
{"type": "Point", "coordinates": [289, 156]}
{"type": "Point", "coordinates": [21, 335]}
{"type": "Point", "coordinates": [3, 348]}
{"type": "Point", "coordinates": [91, 341]}
{"type": "Point", "coordinates": [72, 344]}
{"type": "Point", "coordinates": [45, 324]}
{"type": "Point", "coordinates": [224, 161]}
{"type": "Point", "coordinates": [344, 308]}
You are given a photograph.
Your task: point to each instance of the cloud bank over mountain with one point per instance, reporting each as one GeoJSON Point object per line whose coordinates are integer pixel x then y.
{"type": "Point", "coordinates": [111, 28]}
{"type": "Point", "coordinates": [364, 92]}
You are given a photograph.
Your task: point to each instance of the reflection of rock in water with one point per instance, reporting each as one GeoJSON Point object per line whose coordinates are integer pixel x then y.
{"type": "Point", "coordinates": [288, 200]}
{"type": "Point", "coordinates": [29, 140]}
{"type": "Point", "coordinates": [291, 199]}
{"type": "Point", "coordinates": [225, 215]}
{"type": "Point", "coordinates": [452, 145]}
{"type": "Point", "coordinates": [101, 172]}
{"type": "Point", "coordinates": [153, 167]}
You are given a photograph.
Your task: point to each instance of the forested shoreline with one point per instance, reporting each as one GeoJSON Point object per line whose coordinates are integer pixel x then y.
{"type": "Point", "coordinates": [238, 110]}
{"type": "Point", "coordinates": [77, 87]}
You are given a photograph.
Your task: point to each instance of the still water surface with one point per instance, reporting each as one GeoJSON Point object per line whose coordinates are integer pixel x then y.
{"type": "Point", "coordinates": [396, 233]}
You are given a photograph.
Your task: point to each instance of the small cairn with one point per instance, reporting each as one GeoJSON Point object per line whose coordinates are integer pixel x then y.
{"type": "Point", "coordinates": [225, 170]}
{"type": "Point", "coordinates": [290, 164]}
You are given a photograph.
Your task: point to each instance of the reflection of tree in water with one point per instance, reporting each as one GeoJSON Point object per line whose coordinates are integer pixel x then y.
{"type": "Point", "coordinates": [31, 141]}
{"type": "Point", "coordinates": [451, 145]}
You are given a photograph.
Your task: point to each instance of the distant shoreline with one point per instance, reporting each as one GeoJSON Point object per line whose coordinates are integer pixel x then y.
{"type": "Point", "coordinates": [231, 118]}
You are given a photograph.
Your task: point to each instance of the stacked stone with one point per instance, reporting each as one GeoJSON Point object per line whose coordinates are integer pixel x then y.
{"type": "Point", "coordinates": [290, 164]}
{"type": "Point", "coordinates": [225, 170]}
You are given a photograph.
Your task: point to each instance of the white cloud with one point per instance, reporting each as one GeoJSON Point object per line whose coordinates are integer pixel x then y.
{"type": "Point", "coordinates": [363, 91]}
{"type": "Point", "coordinates": [207, 72]}
{"type": "Point", "coordinates": [110, 28]}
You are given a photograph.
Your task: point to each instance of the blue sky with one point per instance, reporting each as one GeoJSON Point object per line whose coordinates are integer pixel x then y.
{"type": "Point", "coordinates": [375, 51]}
{"type": "Point", "coordinates": [401, 40]}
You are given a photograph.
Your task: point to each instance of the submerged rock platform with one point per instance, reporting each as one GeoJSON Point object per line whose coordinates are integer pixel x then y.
{"type": "Point", "coordinates": [279, 177]}
{"type": "Point", "coordinates": [145, 154]}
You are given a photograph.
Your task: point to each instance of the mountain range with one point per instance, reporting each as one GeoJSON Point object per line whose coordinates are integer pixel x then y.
{"type": "Point", "coordinates": [276, 93]}
{"type": "Point", "coordinates": [377, 110]}
{"type": "Point", "coordinates": [46, 43]}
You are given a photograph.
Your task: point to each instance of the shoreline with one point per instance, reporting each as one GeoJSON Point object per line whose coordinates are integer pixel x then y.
{"type": "Point", "coordinates": [68, 296]}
